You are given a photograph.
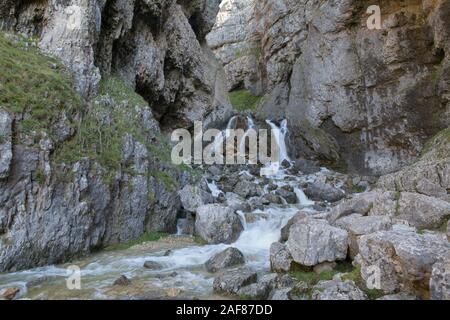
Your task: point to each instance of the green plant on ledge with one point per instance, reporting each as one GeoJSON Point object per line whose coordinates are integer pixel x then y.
{"type": "Point", "coordinates": [243, 100]}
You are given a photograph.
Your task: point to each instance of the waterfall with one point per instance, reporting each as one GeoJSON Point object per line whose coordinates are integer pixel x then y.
{"type": "Point", "coordinates": [281, 141]}
{"type": "Point", "coordinates": [302, 198]}
{"type": "Point", "coordinates": [215, 191]}
{"type": "Point", "coordinates": [250, 126]}
{"type": "Point", "coordinates": [219, 139]}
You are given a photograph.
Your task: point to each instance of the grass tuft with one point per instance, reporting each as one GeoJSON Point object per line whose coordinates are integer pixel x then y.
{"type": "Point", "coordinates": [243, 100]}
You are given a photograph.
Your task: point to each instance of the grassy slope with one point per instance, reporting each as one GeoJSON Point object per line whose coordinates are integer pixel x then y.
{"type": "Point", "coordinates": [32, 84]}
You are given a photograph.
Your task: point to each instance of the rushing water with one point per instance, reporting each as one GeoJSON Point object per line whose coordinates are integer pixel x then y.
{"type": "Point", "coordinates": [183, 273]}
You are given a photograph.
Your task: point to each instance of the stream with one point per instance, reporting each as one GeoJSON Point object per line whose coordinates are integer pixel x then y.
{"type": "Point", "coordinates": [183, 274]}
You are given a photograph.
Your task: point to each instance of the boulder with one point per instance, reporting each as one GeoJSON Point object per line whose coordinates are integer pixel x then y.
{"type": "Point", "coordinates": [247, 189]}
{"type": "Point", "coordinates": [236, 202]}
{"type": "Point", "coordinates": [285, 230]}
{"type": "Point", "coordinates": [337, 290]}
{"type": "Point", "coordinates": [448, 230]}
{"type": "Point", "coordinates": [400, 259]}
{"type": "Point", "coordinates": [152, 265]}
{"type": "Point", "coordinates": [360, 203]}
{"type": "Point", "coordinates": [319, 191]}
{"type": "Point", "coordinates": [217, 224]}
{"type": "Point", "coordinates": [193, 197]}
{"type": "Point", "coordinates": [287, 194]}
{"type": "Point", "coordinates": [122, 281]}
{"type": "Point", "coordinates": [440, 279]}
{"type": "Point", "coordinates": [357, 225]}
{"type": "Point", "coordinates": [422, 212]}
{"type": "Point", "coordinates": [313, 241]}
{"type": "Point", "coordinates": [230, 257]}
{"type": "Point", "coordinates": [280, 258]}
{"type": "Point", "coordinates": [232, 281]}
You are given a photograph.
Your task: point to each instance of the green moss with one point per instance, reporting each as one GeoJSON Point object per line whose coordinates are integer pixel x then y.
{"type": "Point", "coordinates": [200, 241]}
{"type": "Point", "coordinates": [358, 189]}
{"type": "Point", "coordinates": [146, 237]}
{"type": "Point", "coordinates": [443, 137]}
{"type": "Point", "coordinates": [398, 195]}
{"type": "Point", "coordinates": [39, 176]}
{"type": "Point", "coordinates": [244, 100]}
{"type": "Point", "coordinates": [119, 91]}
{"type": "Point", "coordinates": [33, 84]}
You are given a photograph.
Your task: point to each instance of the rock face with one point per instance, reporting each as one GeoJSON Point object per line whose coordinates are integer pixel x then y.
{"type": "Point", "coordinates": [217, 224]}
{"type": "Point", "coordinates": [164, 59]}
{"type": "Point", "coordinates": [118, 189]}
{"type": "Point", "coordinates": [370, 97]}
{"type": "Point", "coordinates": [313, 241]}
{"type": "Point", "coordinates": [401, 259]}
{"type": "Point", "coordinates": [230, 257]}
{"type": "Point", "coordinates": [5, 143]}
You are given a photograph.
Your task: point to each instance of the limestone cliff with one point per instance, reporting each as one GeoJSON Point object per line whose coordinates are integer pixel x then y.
{"type": "Point", "coordinates": [371, 96]}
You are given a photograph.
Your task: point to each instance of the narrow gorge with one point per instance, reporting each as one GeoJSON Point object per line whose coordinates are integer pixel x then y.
{"type": "Point", "coordinates": [356, 205]}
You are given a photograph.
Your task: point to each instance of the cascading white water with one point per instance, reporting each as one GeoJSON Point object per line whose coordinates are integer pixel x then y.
{"type": "Point", "coordinates": [281, 140]}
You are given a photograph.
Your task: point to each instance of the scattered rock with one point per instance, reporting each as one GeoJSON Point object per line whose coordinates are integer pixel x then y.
{"type": "Point", "coordinates": [319, 191]}
{"type": "Point", "coordinates": [287, 195]}
{"type": "Point", "coordinates": [152, 265]}
{"type": "Point", "coordinates": [122, 281]}
{"type": "Point", "coordinates": [337, 290]}
{"type": "Point", "coordinates": [280, 258]}
{"type": "Point", "coordinates": [232, 281]}
{"type": "Point", "coordinates": [312, 241]}
{"type": "Point", "coordinates": [359, 203]}
{"type": "Point", "coordinates": [236, 202]}
{"type": "Point", "coordinates": [230, 257]}
{"type": "Point", "coordinates": [193, 197]}
{"type": "Point", "coordinates": [217, 224]}
{"type": "Point", "coordinates": [246, 189]}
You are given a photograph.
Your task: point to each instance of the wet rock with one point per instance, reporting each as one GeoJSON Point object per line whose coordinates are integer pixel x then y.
{"type": "Point", "coordinates": [357, 225]}
{"type": "Point", "coordinates": [319, 191]}
{"type": "Point", "coordinates": [313, 241]}
{"type": "Point", "coordinates": [236, 202]}
{"type": "Point", "coordinates": [122, 281]}
{"type": "Point", "coordinates": [271, 198]}
{"type": "Point", "coordinates": [152, 265]}
{"type": "Point", "coordinates": [402, 258]}
{"type": "Point", "coordinates": [10, 293]}
{"type": "Point", "coordinates": [285, 230]}
{"type": "Point", "coordinates": [217, 224]}
{"type": "Point", "coordinates": [337, 290]}
{"type": "Point", "coordinates": [186, 226]}
{"type": "Point", "coordinates": [193, 197]}
{"type": "Point", "coordinates": [230, 257]}
{"type": "Point", "coordinates": [287, 194]}
{"type": "Point", "coordinates": [232, 281]}
{"type": "Point", "coordinates": [280, 258]}
{"type": "Point", "coordinates": [440, 279]}
{"type": "Point", "coordinates": [247, 189]}
{"type": "Point", "coordinates": [256, 203]}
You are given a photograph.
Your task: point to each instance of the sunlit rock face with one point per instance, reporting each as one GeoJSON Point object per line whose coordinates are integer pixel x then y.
{"type": "Point", "coordinates": [377, 94]}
